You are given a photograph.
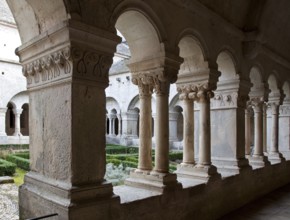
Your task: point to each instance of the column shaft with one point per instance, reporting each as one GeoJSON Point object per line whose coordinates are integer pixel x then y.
{"type": "Point", "coordinates": [275, 110]}
{"type": "Point", "coordinates": [120, 126]}
{"type": "Point", "coordinates": [265, 127]}
{"type": "Point", "coordinates": [145, 129]}
{"type": "Point", "coordinates": [188, 132]}
{"type": "Point", "coordinates": [258, 149]}
{"type": "Point", "coordinates": [247, 132]}
{"type": "Point", "coordinates": [204, 133]}
{"type": "Point", "coordinates": [162, 130]}
{"type": "Point", "coordinates": [2, 121]}
{"type": "Point", "coordinates": [17, 131]}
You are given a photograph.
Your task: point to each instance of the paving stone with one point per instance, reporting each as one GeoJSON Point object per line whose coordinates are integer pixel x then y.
{"type": "Point", "coordinates": [6, 179]}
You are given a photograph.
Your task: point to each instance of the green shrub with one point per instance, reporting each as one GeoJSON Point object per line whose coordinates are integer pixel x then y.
{"type": "Point", "coordinates": [118, 149]}
{"type": "Point", "coordinates": [19, 161]}
{"type": "Point", "coordinates": [116, 162]}
{"type": "Point", "coordinates": [24, 155]}
{"type": "Point", "coordinates": [129, 164]}
{"type": "Point", "coordinates": [173, 156]}
{"type": "Point", "coordinates": [14, 146]}
{"type": "Point", "coordinates": [132, 159]}
{"type": "Point", "coordinates": [7, 168]}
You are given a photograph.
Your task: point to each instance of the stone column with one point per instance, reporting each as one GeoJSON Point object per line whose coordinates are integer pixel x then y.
{"type": "Point", "coordinates": [274, 155]}
{"type": "Point", "coordinates": [204, 159]}
{"type": "Point", "coordinates": [111, 125]}
{"type": "Point", "coordinates": [188, 130]}
{"type": "Point", "coordinates": [258, 158]}
{"type": "Point", "coordinates": [17, 113]}
{"type": "Point", "coordinates": [173, 126]}
{"type": "Point", "coordinates": [162, 128]}
{"type": "Point", "coordinates": [265, 128]}
{"type": "Point", "coordinates": [145, 127]}
{"type": "Point", "coordinates": [248, 131]}
{"type": "Point", "coordinates": [67, 73]}
{"type": "Point", "coordinates": [3, 135]}
{"type": "Point", "coordinates": [120, 125]}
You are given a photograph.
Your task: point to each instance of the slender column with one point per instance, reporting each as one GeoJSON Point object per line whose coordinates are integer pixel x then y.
{"type": "Point", "coordinates": [119, 125]}
{"type": "Point", "coordinates": [162, 127]}
{"type": "Point", "coordinates": [275, 127]}
{"type": "Point", "coordinates": [204, 126]}
{"type": "Point", "coordinates": [188, 130]}
{"type": "Point", "coordinates": [2, 121]}
{"type": "Point", "coordinates": [110, 125]}
{"type": "Point", "coordinates": [258, 111]}
{"type": "Point", "coordinates": [265, 127]}
{"type": "Point", "coordinates": [145, 128]}
{"type": "Point", "coordinates": [248, 131]}
{"type": "Point", "coordinates": [17, 113]}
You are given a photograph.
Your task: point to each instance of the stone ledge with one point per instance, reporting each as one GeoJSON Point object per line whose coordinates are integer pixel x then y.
{"type": "Point", "coordinates": [6, 179]}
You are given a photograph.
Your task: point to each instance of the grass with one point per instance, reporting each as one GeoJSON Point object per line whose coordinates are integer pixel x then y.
{"type": "Point", "coordinates": [19, 176]}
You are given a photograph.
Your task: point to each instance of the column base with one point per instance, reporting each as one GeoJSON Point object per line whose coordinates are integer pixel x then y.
{"type": "Point", "coordinates": [207, 173]}
{"type": "Point", "coordinates": [231, 166]}
{"type": "Point", "coordinates": [259, 161]}
{"type": "Point", "coordinates": [40, 196]}
{"type": "Point", "coordinates": [276, 157]}
{"type": "Point", "coordinates": [161, 182]}
{"type": "Point", "coordinates": [286, 154]}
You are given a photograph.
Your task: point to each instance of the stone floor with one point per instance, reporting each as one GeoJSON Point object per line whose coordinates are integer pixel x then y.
{"type": "Point", "coordinates": [274, 206]}
{"type": "Point", "coordinates": [8, 202]}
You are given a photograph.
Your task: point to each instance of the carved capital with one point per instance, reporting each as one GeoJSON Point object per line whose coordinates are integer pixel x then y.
{"type": "Point", "coordinates": [274, 108]}
{"type": "Point", "coordinates": [67, 62]}
{"type": "Point", "coordinates": [284, 110]}
{"type": "Point", "coordinates": [229, 100]}
{"type": "Point", "coordinates": [257, 103]}
{"type": "Point", "coordinates": [204, 93]}
{"type": "Point", "coordinates": [188, 91]}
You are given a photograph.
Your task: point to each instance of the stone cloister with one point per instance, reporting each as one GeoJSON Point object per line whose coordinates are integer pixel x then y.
{"type": "Point", "coordinates": [231, 74]}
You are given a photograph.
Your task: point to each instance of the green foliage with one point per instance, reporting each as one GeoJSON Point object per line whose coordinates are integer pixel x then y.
{"type": "Point", "coordinates": [14, 146]}
{"type": "Point", "coordinates": [119, 149]}
{"type": "Point", "coordinates": [19, 161]}
{"type": "Point", "coordinates": [24, 155]}
{"type": "Point", "coordinates": [175, 155]}
{"type": "Point", "coordinates": [19, 176]}
{"type": "Point", "coordinates": [7, 168]}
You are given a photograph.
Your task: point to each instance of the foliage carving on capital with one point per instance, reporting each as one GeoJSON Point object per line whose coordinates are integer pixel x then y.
{"type": "Point", "coordinates": [257, 103]}
{"type": "Point", "coordinates": [274, 108]}
{"type": "Point", "coordinates": [188, 91]}
{"type": "Point", "coordinates": [284, 110]}
{"type": "Point", "coordinates": [229, 99]}
{"type": "Point", "coordinates": [68, 61]}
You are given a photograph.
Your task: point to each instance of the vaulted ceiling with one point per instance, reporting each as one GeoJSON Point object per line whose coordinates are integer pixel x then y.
{"type": "Point", "coordinates": [270, 18]}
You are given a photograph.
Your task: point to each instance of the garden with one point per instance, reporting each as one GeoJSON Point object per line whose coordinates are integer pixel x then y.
{"type": "Point", "coordinates": [14, 162]}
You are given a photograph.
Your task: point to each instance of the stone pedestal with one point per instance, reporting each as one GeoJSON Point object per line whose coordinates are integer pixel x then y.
{"type": "Point", "coordinates": [67, 73]}
{"type": "Point", "coordinates": [3, 135]}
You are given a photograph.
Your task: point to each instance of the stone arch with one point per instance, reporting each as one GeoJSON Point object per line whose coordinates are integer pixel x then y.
{"type": "Point", "coordinates": [10, 119]}
{"type": "Point", "coordinates": [141, 34]}
{"type": "Point", "coordinates": [175, 101]}
{"type": "Point", "coordinates": [134, 103]}
{"type": "Point", "coordinates": [188, 32]}
{"type": "Point", "coordinates": [227, 66]}
{"type": "Point", "coordinates": [34, 17]}
{"type": "Point", "coordinates": [286, 91]}
{"type": "Point", "coordinates": [112, 103]}
{"type": "Point", "coordinates": [259, 87]}
{"type": "Point", "coordinates": [191, 50]}
{"type": "Point", "coordinates": [275, 92]}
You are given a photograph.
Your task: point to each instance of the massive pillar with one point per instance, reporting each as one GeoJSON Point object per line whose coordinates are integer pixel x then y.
{"type": "Point", "coordinates": [17, 113]}
{"type": "Point", "coordinates": [284, 129]}
{"type": "Point", "coordinates": [274, 155]}
{"type": "Point", "coordinates": [258, 158]}
{"type": "Point", "coordinates": [67, 73]}
{"type": "Point", "coordinates": [3, 135]}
